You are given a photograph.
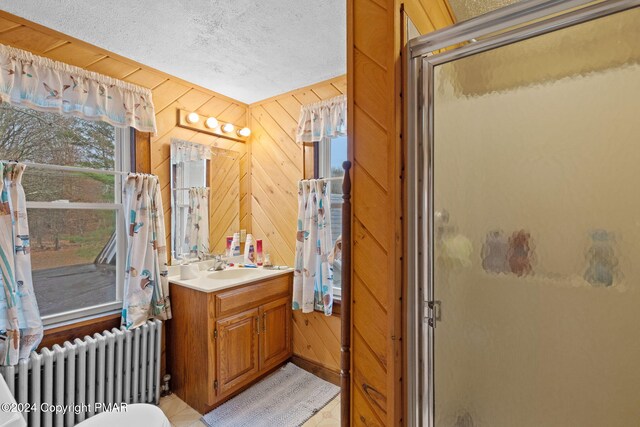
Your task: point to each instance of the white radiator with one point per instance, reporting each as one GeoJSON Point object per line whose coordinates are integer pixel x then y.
{"type": "Point", "coordinates": [88, 376]}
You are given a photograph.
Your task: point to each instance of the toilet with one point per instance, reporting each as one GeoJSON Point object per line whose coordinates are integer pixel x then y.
{"type": "Point", "coordinates": [136, 415]}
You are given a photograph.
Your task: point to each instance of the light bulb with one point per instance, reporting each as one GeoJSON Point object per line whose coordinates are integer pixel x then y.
{"type": "Point", "coordinates": [211, 123]}
{"type": "Point", "coordinates": [227, 128]}
{"type": "Point", "coordinates": [193, 117]}
{"type": "Point", "coordinates": [244, 132]}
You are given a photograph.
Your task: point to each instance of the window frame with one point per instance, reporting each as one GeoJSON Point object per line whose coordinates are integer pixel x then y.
{"type": "Point", "coordinates": [122, 165]}
{"type": "Point", "coordinates": [322, 169]}
{"type": "Point", "coordinates": [324, 158]}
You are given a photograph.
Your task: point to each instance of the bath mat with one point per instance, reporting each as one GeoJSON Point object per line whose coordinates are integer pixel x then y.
{"type": "Point", "coordinates": [286, 398]}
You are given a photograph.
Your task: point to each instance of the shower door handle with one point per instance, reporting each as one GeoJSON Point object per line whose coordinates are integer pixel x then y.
{"type": "Point", "coordinates": [433, 312]}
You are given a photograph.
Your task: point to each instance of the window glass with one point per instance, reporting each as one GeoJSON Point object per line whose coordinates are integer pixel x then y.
{"type": "Point", "coordinates": [74, 221]}
{"type": "Point", "coordinates": [43, 185]}
{"type": "Point", "coordinates": [332, 153]}
{"type": "Point", "coordinates": [51, 138]}
{"type": "Point", "coordinates": [73, 266]}
{"type": "Point", "coordinates": [337, 155]}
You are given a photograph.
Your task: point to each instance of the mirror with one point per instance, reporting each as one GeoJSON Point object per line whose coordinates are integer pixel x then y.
{"type": "Point", "coordinates": [225, 197]}
{"type": "Point", "coordinates": [205, 201]}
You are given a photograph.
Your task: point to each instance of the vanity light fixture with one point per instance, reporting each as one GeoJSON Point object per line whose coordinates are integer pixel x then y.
{"type": "Point", "coordinates": [193, 117]}
{"type": "Point", "coordinates": [211, 123]}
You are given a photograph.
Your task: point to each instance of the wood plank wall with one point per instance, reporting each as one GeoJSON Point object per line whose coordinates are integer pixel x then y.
{"type": "Point", "coordinates": [375, 122]}
{"type": "Point", "coordinates": [277, 163]}
{"type": "Point", "coordinates": [271, 211]}
{"type": "Point", "coordinates": [268, 181]}
{"type": "Point", "coordinates": [205, 103]}
{"type": "Point", "coordinates": [169, 94]}
{"type": "Point", "coordinates": [224, 198]}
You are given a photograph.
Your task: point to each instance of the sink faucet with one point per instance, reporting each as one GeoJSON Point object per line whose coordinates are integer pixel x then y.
{"type": "Point", "coordinates": [218, 263]}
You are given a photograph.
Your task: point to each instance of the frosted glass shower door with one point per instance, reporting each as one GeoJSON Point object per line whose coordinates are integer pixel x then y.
{"type": "Point", "coordinates": [535, 160]}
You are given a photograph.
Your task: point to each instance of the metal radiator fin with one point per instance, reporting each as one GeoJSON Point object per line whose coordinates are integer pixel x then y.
{"type": "Point", "coordinates": [117, 366]}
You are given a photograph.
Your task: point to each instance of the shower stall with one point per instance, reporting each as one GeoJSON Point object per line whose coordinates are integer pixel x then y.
{"type": "Point", "coordinates": [523, 161]}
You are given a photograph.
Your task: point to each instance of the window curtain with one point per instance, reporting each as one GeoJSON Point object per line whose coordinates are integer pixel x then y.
{"type": "Point", "coordinates": [197, 238]}
{"type": "Point", "coordinates": [146, 286]}
{"type": "Point", "coordinates": [47, 85]}
{"type": "Point", "coordinates": [324, 119]}
{"type": "Point", "coordinates": [20, 323]}
{"type": "Point", "coordinates": [313, 273]}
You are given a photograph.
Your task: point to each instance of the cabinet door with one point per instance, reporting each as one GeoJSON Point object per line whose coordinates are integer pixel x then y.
{"type": "Point", "coordinates": [237, 350]}
{"type": "Point", "coordinates": [275, 341]}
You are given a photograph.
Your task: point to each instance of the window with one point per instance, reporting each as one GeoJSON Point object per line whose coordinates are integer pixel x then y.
{"type": "Point", "coordinates": [75, 209]}
{"type": "Point", "coordinates": [331, 153]}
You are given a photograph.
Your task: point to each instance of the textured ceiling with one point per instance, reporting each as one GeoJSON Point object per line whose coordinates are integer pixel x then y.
{"type": "Point", "coordinates": [246, 49]}
{"type": "Point", "coordinates": [467, 9]}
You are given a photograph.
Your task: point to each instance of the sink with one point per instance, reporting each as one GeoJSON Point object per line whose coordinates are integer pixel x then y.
{"type": "Point", "coordinates": [241, 273]}
{"type": "Point", "coordinates": [213, 281]}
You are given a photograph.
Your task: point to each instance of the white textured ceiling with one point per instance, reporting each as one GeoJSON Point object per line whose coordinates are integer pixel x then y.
{"type": "Point", "coordinates": [246, 49]}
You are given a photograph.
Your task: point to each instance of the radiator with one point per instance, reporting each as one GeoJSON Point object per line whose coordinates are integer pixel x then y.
{"type": "Point", "coordinates": [88, 376]}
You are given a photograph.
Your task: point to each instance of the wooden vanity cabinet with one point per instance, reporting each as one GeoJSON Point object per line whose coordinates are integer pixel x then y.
{"type": "Point", "coordinates": [237, 348]}
{"type": "Point", "coordinates": [218, 343]}
{"type": "Point", "coordinates": [275, 339]}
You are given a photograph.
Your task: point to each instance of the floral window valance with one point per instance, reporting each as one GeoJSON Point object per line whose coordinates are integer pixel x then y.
{"type": "Point", "coordinates": [47, 85]}
{"type": "Point", "coordinates": [324, 119]}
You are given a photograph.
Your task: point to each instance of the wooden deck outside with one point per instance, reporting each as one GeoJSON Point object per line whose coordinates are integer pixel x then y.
{"type": "Point", "coordinates": [72, 287]}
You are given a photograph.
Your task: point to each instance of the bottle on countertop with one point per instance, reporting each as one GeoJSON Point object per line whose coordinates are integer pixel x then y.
{"type": "Point", "coordinates": [267, 260]}
{"type": "Point", "coordinates": [259, 257]}
{"type": "Point", "coordinates": [252, 256]}
{"type": "Point", "coordinates": [249, 250]}
{"type": "Point", "coordinates": [235, 244]}
{"type": "Point", "coordinates": [229, 247]}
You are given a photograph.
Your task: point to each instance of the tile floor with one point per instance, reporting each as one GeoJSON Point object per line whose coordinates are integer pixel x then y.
{"type": "Point", "coordinates": [329, 416]}
{"type": "Point", "coordinates": [182, 415]}
{"type": "Point", "coordinates": [179, 413]}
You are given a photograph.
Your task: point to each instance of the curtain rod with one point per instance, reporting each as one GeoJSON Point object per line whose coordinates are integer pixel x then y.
{"type": "Point", "coordinates": [68, 168]}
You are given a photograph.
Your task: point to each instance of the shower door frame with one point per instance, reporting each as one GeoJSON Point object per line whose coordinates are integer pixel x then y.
{"type": "Point", "coordinates": [486, 32]}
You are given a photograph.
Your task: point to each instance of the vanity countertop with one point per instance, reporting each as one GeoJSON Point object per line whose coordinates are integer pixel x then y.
{"type": "Point", "coordinates": [213, 281]}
